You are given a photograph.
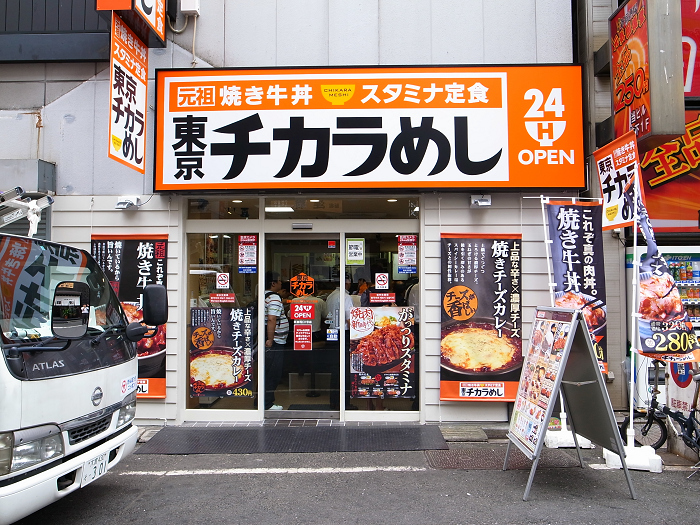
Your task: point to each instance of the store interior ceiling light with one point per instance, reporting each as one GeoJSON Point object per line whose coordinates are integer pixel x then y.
{"type": "Point", "coordinates": [391, 200]}
{"type": "Point", "coordinates": [279, 209]}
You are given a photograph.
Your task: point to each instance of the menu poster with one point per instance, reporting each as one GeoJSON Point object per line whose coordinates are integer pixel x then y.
{"type": "Point", "coordinates": [537, 387]}
{"type": "Point", "coordinates": [131, 262]}
{"type": "Point", "coordinates": [481, 347]}
{"type": "Point", "coordinates": [382, 352]}
{"type": "Point", "coordinates": [221, 353]}
{"type": "Point", "coordinates": [579, 267]}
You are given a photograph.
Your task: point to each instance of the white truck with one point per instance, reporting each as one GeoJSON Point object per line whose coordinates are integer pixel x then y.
{"type": "Point", "coordinates": [67, 372]}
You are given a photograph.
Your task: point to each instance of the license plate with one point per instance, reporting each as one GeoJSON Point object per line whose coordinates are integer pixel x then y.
{"type": "Point", "coordinates": [94, 468]}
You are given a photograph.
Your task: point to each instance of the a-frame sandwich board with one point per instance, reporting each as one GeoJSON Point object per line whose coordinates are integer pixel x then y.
{"type": "Point", "coordinates": [561, 356]}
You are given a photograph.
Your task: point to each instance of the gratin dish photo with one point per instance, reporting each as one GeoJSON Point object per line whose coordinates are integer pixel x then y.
{"type": "Point", "coordinates": [475, 348]}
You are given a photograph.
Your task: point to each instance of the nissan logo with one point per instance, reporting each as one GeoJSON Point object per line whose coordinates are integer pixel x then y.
{"type": "Point", "coordinates": [97, 396]}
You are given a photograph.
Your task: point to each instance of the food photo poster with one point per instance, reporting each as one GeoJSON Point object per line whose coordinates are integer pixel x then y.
{"type": "Point", "coordinates": [131, 262]}
{"type": "Point", "coordinates": [481, 332]}
{"type": "Point", "coordinates": [382, 352]}
{"type": "Point", "coordinates": [221, 352]}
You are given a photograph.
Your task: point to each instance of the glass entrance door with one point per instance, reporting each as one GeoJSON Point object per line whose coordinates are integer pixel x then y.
{"type": "Point", "coordinates": [302, 352]}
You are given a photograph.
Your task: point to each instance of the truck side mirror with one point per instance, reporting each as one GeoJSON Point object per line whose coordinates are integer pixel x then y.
{"type": "Point", "coordinates": [155, 305]}
{"type": "Point", "coordinates": [70, 310]}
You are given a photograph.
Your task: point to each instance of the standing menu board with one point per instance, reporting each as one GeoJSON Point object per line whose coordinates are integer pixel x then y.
{"type": "Point", "coordinates": [561, 357]}
{"type": "Point", "coordinates": [543, 361]}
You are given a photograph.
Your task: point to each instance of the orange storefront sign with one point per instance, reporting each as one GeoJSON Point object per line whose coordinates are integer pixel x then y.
{"type": "Point", "coordinates": [431, 127]}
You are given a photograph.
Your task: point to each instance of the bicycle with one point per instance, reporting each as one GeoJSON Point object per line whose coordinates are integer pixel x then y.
{"type": "Point", "coordinates": [690, 426]}
{"type": "Point", "coordinates": [649, 424]}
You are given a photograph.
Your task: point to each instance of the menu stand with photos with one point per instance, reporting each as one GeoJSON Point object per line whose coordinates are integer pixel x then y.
{"type": "Point", "coordinates": [561, 358]}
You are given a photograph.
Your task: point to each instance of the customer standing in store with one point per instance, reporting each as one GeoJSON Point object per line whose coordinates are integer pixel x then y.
{"type": "Point", "coordinates": [276, 330]}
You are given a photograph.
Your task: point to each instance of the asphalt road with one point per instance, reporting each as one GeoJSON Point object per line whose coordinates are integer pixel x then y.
{"type": "Point", "coordinates": [366, 488]}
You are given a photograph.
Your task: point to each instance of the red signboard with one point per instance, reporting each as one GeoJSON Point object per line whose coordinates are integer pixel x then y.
{"type": "Point", "coordinates": [629, 45]}
{"type": "Point", "coordinates": [302, 336]}
{"type": "Point", "coordinates": [671, 180]}
{"type": "Point", "coordinates": [302, 311]}
{"type": "Point", "coordinates": [378, 298]}
{"type": "Point", "coordinates": [112, 5]}
{"type": "Point", "coordinates": [222, 298]}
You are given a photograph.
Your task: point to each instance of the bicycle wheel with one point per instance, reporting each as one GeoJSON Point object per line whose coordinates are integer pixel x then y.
{"type": "Point", "coordinates": [651, 432]}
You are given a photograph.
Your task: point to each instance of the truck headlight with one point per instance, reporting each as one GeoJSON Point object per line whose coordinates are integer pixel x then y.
{"type": "Point", "coordinates": [127, 412]}
{"type": "Point", "coordinates": [29, 447]}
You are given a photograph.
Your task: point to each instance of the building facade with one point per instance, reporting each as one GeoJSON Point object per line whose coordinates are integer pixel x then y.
{"type": "Point", "coordinates": [57, 111]}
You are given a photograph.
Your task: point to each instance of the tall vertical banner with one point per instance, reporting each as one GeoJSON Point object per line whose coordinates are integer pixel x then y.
{"type": "Point", "coordinates": [665, 329]}
{"type": "Point", "coordinates": [131, 262]}
{"type": "Point", "coordinates": [629, 45]}
{"type": "Point", "coordinates": [128, 97]}
{"type": "Point", "coordinates": [481, 340]}
{"type": "Point", "coordinates": [579, 267]}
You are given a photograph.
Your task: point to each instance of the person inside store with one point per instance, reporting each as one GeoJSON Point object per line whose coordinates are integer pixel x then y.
{"type": "Point", "coordinates": [276, 331]}
{"type": "Point", "coordinates": [333, 303]}
{"type": "Point", "coordinates": [361, 285]}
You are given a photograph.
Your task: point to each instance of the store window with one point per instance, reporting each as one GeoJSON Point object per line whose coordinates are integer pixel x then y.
{"type": "Point", "coordinates": [383, 339]}
{"type": "Point", "coordinates": [222, 289]}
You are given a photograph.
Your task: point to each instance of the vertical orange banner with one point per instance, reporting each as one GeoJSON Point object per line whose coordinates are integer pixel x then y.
{"type": "Point", "coordinates": [127, 97]}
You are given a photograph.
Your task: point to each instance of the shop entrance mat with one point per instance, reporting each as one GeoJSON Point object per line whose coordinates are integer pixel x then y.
{"type": "Point", "coordinates": [231, 440]}
{"type": "Point", "coordinates": [492, 458]}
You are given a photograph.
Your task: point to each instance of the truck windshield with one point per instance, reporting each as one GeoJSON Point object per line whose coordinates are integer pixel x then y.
{"type": "Point", "coordinates": [30, 270]}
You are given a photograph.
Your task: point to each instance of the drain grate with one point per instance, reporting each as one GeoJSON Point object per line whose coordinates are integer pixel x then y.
{"type": "Point", "coordinates": [483, 458]}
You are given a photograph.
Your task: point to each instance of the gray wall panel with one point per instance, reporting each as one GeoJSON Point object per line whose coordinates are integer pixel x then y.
{"type": "Point", "coordinates": [302, 33]}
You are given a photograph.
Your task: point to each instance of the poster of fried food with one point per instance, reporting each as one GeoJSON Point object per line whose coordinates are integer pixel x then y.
{"type": "Point", "coordinates": [382, 352]}
{"type": "Point", "coordinates": [221, 357]}
{"type": "Point", "coordinates": [131, 262]}
{"type": "Point", "coordinates": [537, 387]}
{"type": "Point", "coordinates": [480, 348]}
{"type": "Point", "coordinates": [579, 267]}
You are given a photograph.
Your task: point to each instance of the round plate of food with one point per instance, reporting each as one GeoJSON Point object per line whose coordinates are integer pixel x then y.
{"type": "Point", "coordinates": [212, 370]}
{"type": "Point", "coordinates": [475, 348]}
